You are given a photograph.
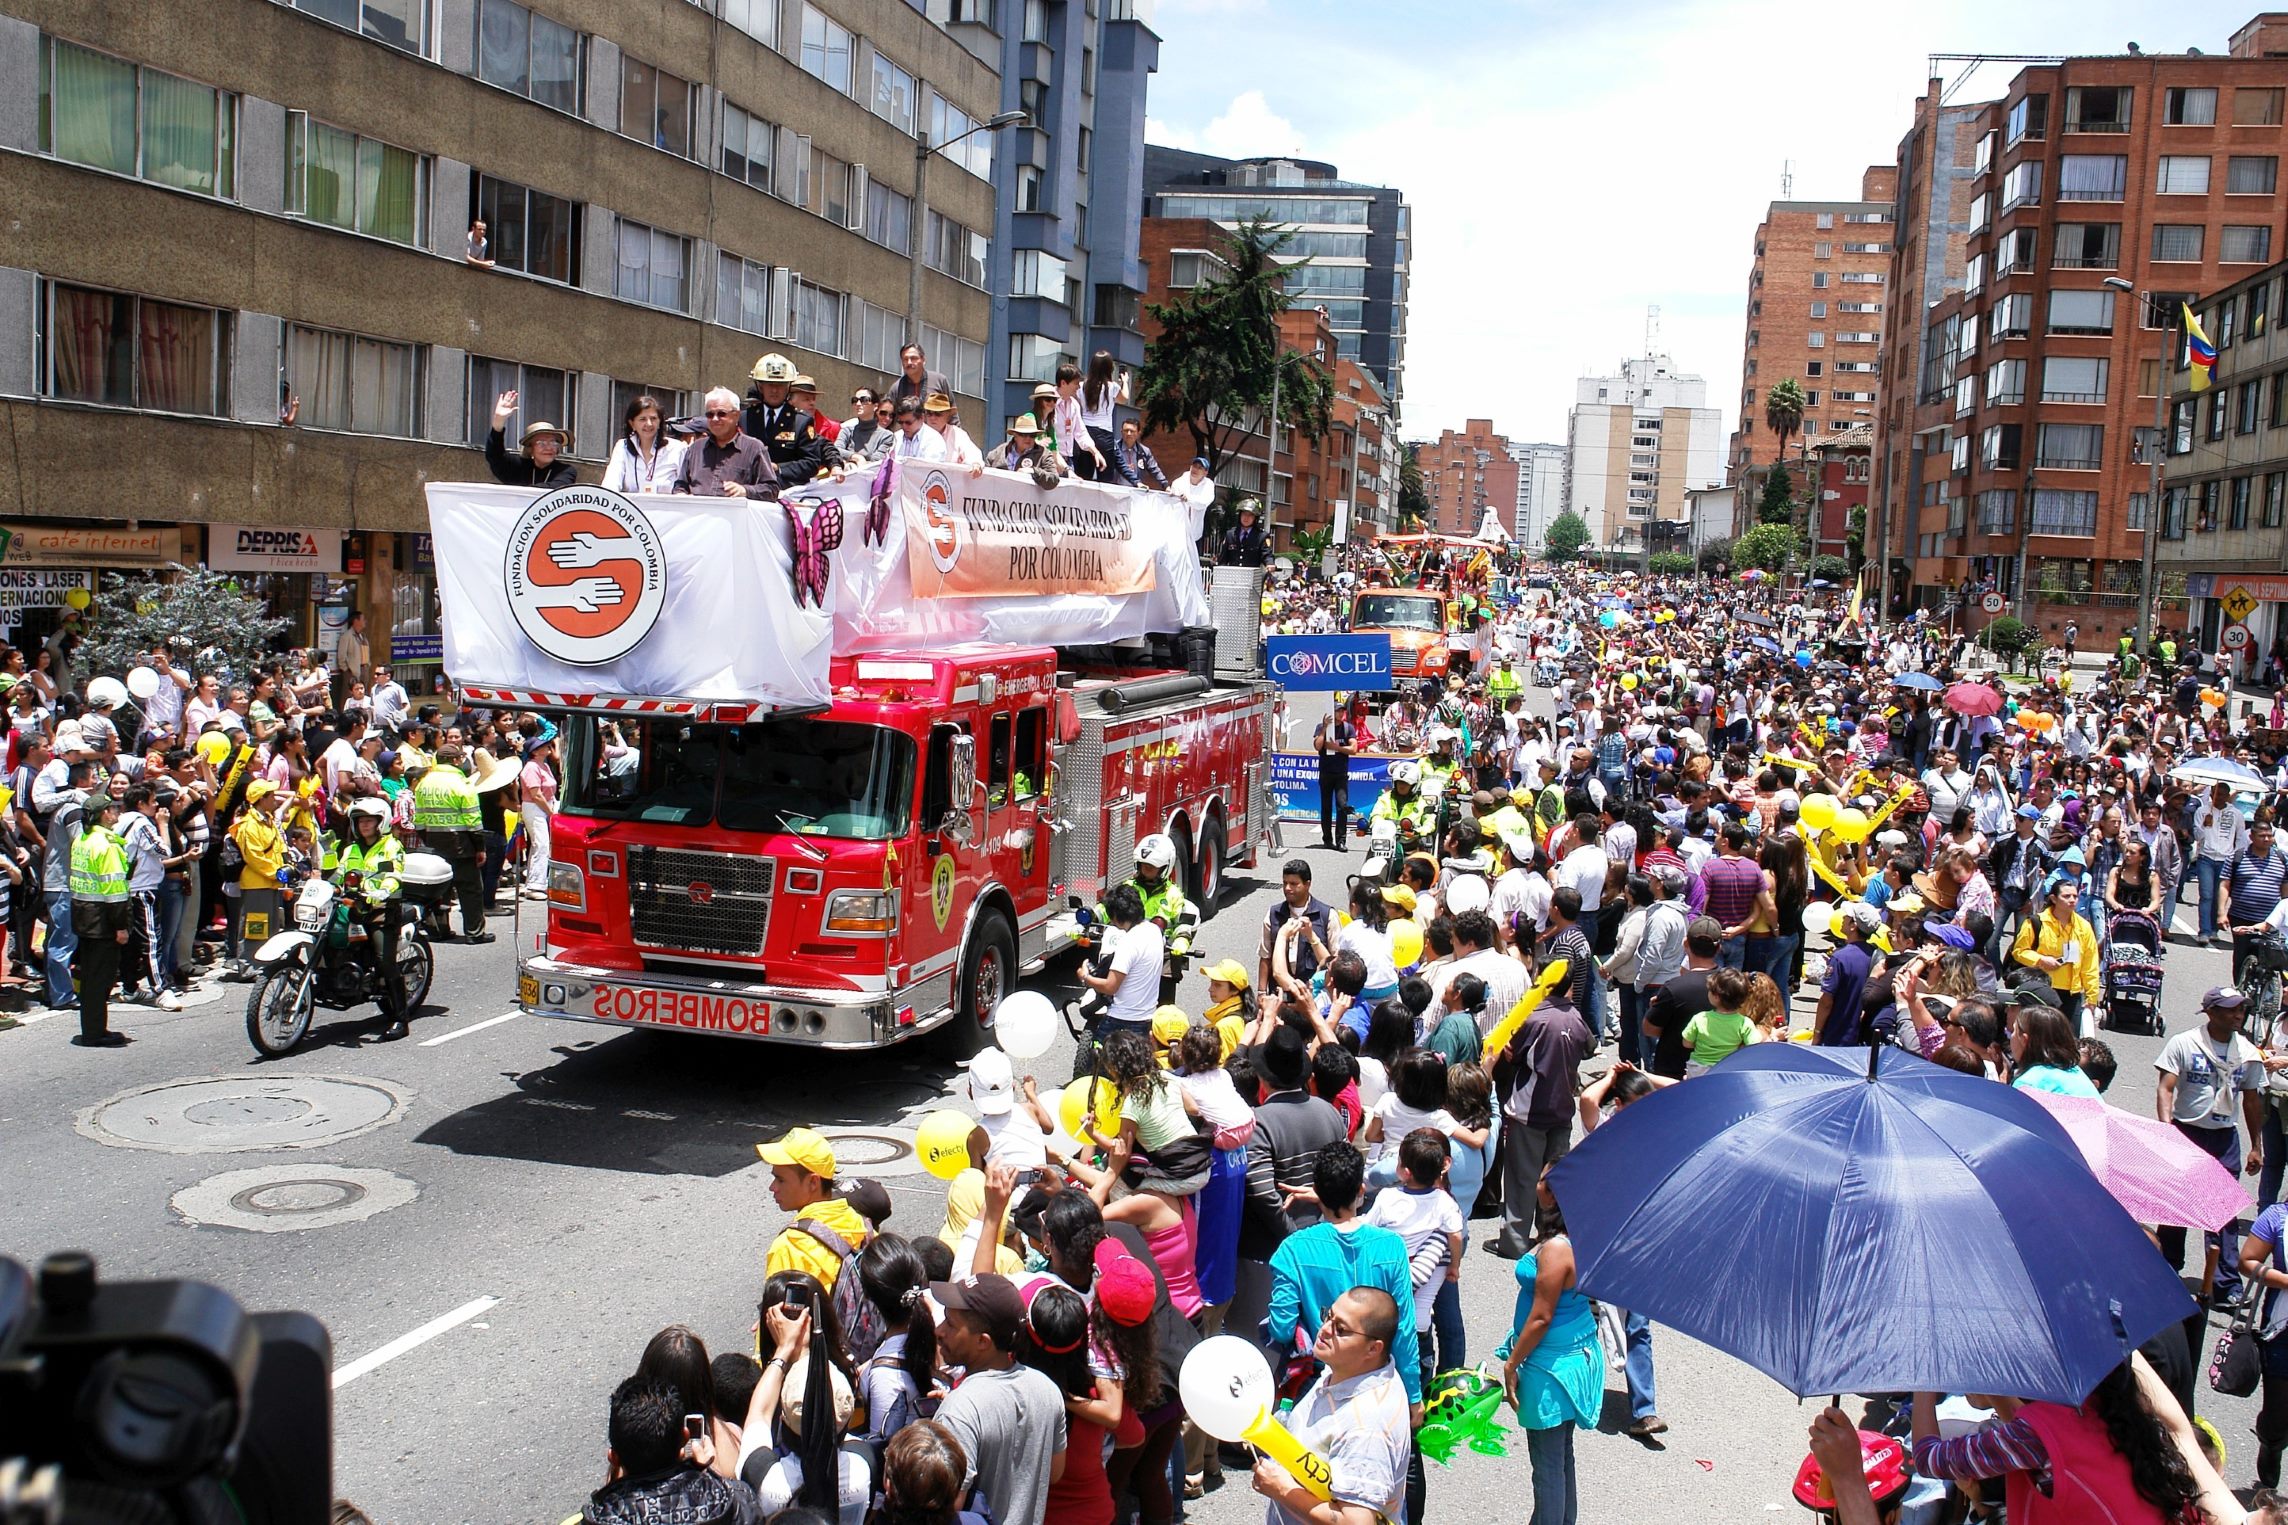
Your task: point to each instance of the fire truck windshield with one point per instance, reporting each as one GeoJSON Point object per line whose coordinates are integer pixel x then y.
{"type": "Point", "coordinates": [828, 778]}
{"type": "Point", "coordinates": [1397, 611]}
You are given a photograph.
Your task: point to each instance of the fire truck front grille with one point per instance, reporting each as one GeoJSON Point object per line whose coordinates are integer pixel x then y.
{"type": "Point", "coordinates": [699, 902]}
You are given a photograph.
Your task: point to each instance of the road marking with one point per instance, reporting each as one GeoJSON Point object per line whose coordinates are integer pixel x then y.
{"type": "Point", "coordinates": [568, 1106]}
{"type": "Point", "coordinates": [29, 1017]}
{"type": "Point", "coordinates": [345, 1375]}
{"type": "Point", "coordinates": [473, 1027]}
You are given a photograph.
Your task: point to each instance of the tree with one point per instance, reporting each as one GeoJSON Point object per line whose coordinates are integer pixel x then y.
{"type": "Point", "coordinates": [1783, 411]}
{"type": "Point", "coordinates": [1715, 555]}
{"type": "Point", "coordinates": [1563, 539]}
{"type": "Point", "coordinates": [1670, 564]}
{"type": "Point", "coordinates": [1413, 497]}
{"type": "Point", "coordinates": [1777, 505]}
{"type": "Point", "coordinates": [1830, 568]}
{"type": "Point", "coordinates": [1210, 371]}
{"type": "Point", "coordinates": [218, 625]}
{"type": "Point", "coordinates": [1767, 546]}
{"type": "Point", "coordinates": [1311, 545]}
{"type": "Point", "coordinates": [1855, 537]}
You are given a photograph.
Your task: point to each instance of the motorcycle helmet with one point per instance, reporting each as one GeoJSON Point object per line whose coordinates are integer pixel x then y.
{"type": "Point", "coordinates": [378, 809]}
{"type": "Point", "coordinates": [1885, 1461]}
{"type": "Point", "coordinates": [1156, 851]}
{"type": "Point", "coordinates": [1405, 772]}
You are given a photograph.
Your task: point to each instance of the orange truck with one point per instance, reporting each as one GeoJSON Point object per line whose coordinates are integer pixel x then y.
{"type": "Point", "coordinates": [1417, 623]}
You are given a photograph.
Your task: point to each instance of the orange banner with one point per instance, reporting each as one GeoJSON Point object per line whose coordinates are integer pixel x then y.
{"type": "Point", "coordinates": [993, 535]}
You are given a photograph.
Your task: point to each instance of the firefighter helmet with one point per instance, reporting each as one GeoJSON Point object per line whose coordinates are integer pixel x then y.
{"type": "Point", "coordinates": [774, 367]}
{"type": "Point", "coordinates": [1156, 851]}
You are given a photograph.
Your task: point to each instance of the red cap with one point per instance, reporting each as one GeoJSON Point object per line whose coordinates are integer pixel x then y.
{"type": "Point", "coordinates": [1124, 1288]}
{"type": "Point", "coordinates": [1884, 1459]}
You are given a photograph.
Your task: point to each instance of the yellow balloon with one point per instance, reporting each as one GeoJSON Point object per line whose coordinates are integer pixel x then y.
{"type": "Point", "coordinates": [78, 598]}
{"type": "Point", "coordinates": [1852, 825]}
{"type": "Point", "coordinates": [1629, 680]}
{"type": "Point", "coordinates": [1405, 942]}
{"type": "Point", "coordinates": [941, 1143]}
{"type": "Point", "coordinates": [1819, 811]}
{"type": "Point", "coordinates": [1075, 1105]}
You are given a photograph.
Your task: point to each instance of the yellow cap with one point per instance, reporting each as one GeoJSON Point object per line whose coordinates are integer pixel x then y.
{"type": "Point", "coordinates": [1170, 1023]}
{"type": "Point", "coordinates": [803, 1148]}
{"type": "Point", "coordinates": [1230, 971]}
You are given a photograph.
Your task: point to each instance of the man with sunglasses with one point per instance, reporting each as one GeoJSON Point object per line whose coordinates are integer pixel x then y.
{"type": "Point", "coordinates": [728, 462]}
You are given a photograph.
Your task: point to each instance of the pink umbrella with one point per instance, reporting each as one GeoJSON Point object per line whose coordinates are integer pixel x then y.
{"type": "Point", "coordinates": [1972, 699]}
{"type": "Point", "coordinates": [2153, 1171]}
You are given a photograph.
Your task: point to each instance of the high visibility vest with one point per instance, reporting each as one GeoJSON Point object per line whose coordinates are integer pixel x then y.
{"type": "Point", "coordinates": [443, 801]}
{"type": "Point", "coordinates": [99, 866]}
{"type": "Point", "coordinates": [380, 864]}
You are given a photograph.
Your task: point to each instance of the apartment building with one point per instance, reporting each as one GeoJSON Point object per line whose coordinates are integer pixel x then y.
{"type": "Point", "coordinates": [1635, 442]}
{"type": "Point", "coordinates": [2038, 376]}
{"type": "Point", "coordinates": [1540, 489]}
{"type": "Point", "coordinates": [1470, 476]}
{"type": "Point", "coordinates": [1816, 297]}
{"type": "Point", "coordinates": [235, 287]}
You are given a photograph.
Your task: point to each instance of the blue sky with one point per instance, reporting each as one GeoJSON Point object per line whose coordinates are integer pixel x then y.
{"type": "Point", "coordinates": [1569, 165]}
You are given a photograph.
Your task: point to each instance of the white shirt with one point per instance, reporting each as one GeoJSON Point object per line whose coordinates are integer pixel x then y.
{"type": "Point", "coordinates": [2222, 833]}
{"type": "Point", "coordinates": [1136, 956]}
{"type": "Point", "coordinates": [1504, 977]}
{"type": "Point", "coordinates": [1584, 868]}
{"type": "Point", "coordinates": [340, 754]}
{"type": "Point", "coordinates": [628, 471]}
{"type": "Point", "coordinates": [924, 444]}
{"type": "Point", "coordinates": [960, 449]}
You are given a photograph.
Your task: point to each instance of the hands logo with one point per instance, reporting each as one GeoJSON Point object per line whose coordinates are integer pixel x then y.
{"type": "Point", "coordinates": [586, 575]}
{"type": "Point", "coordinates": [944, 528]}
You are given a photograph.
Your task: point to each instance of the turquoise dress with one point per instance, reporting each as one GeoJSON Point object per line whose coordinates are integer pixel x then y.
{"type": "Point", "coordinates": [1563, 1380]}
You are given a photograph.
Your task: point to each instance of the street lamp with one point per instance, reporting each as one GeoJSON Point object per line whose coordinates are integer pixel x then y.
{"type": "Point", "coordinates": [924, 151]}
{"type": "Point", "coordinates": [2167, 324]}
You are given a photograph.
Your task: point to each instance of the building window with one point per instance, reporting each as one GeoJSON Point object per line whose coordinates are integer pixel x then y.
{"type": "Point", "coordinates": [948, 122]}
{"type": "Point", "coordinates": [541, 395]}
{"type": "Point", "coordinates": [2236, 515]}
{"type": "Point", "coordinates": [962, 359]}
{"type": "Point", "coordinates": [831, 189]}
{"type": "Point", "coordinates": [2275, 498]}
{"type": "Point", "coordinates": [1029, 189]}
{"type": "Point", "coordinates": [893, 95]}
{"type": "Point", "coordinates": [672, 404]}
{"type": "Point", "coordinates": [1036, 273]}
{"type": "Point", "coordinates": [2074, 379]}
{"type": "Point", "coordinates": [1814, 367]}
{"type": "Point", "coordinates": [2098, 108]}
{"type": "Point", "coordinates": [2183, 175]}
{"type": "Point", "coordinates": [742, 294]}
{"type": "Point", "coordinates": [1974, 274]}
{"type": "Point", "coordinates": [825, 49]}
{"type": "Point", "coordinates": [2251, 174]}
{"type": "Point", "coordinates": [1819, 280]}
{"type": "Point", "coordinates": [2189, 106]}
{"type": "Point", "coordinates": [1818, 309]}
{"type": "Point", "coordinates": [748, 144]}
{"type": "Point", "coordinates": [2087, 246]}
{"type": "Point", "coordinates": [2070, 447]}
{"type": "Point", "coordinates": [2058, 512]}
{"type": "Point", "coordinates": [112, 115]}
{"type": "Point", "coordinates": [530, 231]}
{"type": "Point", "coordinates": [2177, 241]}
{"type": "Point", "coordinates": [131, 352]}
{"type": "Point", "coordinates": [2005, 383]}
{"type": "Point", "coordinates": [2023, 185]}
{"type": "Point", "coordinates": [2245, 406]}
{"type": "Point", "coordinates": [818, 319]}
{"type": "Point", "coordinates": [655, 107]}
{"type": "Point", "coordinates": [2011, 318]}
{"type": "Point", "coordinates": [2093, 177]}
{"type": "Point", "coordinates": [362, 184]}
{"type": "Point", "coordinates": [1997, 510]}
{"type": "Point", "coordinates": [880, 334]}
{"type": "Point", "coordinates": [2081, 312]}
{"type": "Point", "coordinates": [2205, 517]}
{"type": "Point", "coordinates": [759, 19]}
{"type": "Point", "coordinates": [889, 218]}
{"type": "Point", "coordinates": [2256, 107]}
{"type": "Point", "coordinates": [400, 24]}
{"type": "Point", "coordinates": [527, 54]}
{"type": "Point", "coordinates": [653, 267]}
{"type": "Point", "coordinates": [1998, 446]}
{"type": "Point", "coordinates": [352, 383]}
{"type": "Point", "coordinates": [2016, 252]}
{"type": "Point", "coordinates": [2216, 417]}
{"type": "Point", "coordinates": [1033, 357]}
{"type": "Point", "coordinates": [2029, 118]}
{"type": "Point", "coordinates": [2250, 245]}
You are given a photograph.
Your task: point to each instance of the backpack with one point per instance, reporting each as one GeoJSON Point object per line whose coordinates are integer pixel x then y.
{"type": "Point", "coordinates": [862, 1325]}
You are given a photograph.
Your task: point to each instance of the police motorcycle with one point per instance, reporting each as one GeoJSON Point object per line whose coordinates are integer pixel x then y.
{"type": "Point", "coordinates": [1080, 1014]}
{"type": "Point", "coordinates": [1388, 837]}
{"type": "Point", "coordinates": [321, 960]}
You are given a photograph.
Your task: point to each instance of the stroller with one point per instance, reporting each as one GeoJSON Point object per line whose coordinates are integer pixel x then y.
{"type": "Point", "coordinates": [2132, 957]}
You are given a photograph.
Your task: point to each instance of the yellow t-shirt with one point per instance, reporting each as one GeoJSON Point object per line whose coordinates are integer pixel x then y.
{"type": "Point", "coordinates": [796, 1250]}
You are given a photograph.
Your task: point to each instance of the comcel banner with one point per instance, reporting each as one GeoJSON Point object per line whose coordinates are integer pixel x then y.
{"type": "Point", "coordinates": [999, 533]}
{"type": "Point", "coordinates": [1327, 662]}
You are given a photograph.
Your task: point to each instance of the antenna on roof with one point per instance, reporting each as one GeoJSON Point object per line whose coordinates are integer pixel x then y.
{"type": "Point", "coordinates": [1652, 330]}
{"type": "Point", "coordinates": [1787, 179]}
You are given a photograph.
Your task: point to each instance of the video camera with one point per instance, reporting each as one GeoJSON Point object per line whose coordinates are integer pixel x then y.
{"type": "Point", "coordinates": [159, 1401]}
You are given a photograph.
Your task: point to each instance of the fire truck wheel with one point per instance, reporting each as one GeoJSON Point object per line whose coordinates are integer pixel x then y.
{"type": "Point", "coordinates": [988, 972]}
{"type": "Point", "coordinates": [1207, 868]}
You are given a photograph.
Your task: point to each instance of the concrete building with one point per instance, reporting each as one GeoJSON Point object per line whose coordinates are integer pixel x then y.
{"type": "Point", "coordinates": [1540, 490]}
{"type": "Point", "coordinates": [1815, 315]}
{"type": "Point", "coordinates": [1066, 277]}
{"type": "Point", "coordinates": [235, 293]}
{"type": "Point", "coordinates": [1468, 473]}
{"type": "Point", "coordinates": [1355, 236]}
{"type": "Point", "coordinates": [1635, 442]}
{"type": "Point", "coordinates": [2161, 171]}
{"type": "Point", "coordinates": [1712, 514]}
{"type": "Point", "coordinates": [2224, 492]}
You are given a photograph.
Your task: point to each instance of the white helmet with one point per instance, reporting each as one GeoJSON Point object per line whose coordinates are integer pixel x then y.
{"type": "Point", "coordinates": [1406, 772]}
{"type": "Point", "coordinates": [1156, 851]}
{"type": "Point", "coordinates": [378, 809]}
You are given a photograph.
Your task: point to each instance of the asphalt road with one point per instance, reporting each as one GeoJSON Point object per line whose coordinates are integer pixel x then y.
{"type": "Point", "coordinates": [545, 1196]}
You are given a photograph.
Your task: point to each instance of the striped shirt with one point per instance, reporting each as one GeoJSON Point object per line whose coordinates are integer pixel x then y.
{"type": "Point", "coordinates": [1733, 885]}
{"type": "Point", "coordinates": [1992, 1450]}
{"type": "Point", "coordinates": [2256, 885]}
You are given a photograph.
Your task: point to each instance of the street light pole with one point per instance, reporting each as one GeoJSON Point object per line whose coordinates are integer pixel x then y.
{"type": "Point", "coordinates": [2168, 325]}
{"type": "Point", "coordinates": [917, 227]}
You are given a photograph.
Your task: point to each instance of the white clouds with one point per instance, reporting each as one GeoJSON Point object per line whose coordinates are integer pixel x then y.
{"type": "Point", "coordinates": [1157, 131]}
{"type": "Point", "coordinates": [1249, 128]}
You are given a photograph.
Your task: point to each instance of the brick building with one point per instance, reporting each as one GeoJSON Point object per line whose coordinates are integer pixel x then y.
{"type": "Point", "coordinates": [1844, 464]}
{"type": "Point", "coordinates": [2036, 380]}
{"type": "Point", "coordinates": [1816, 299]}
{"type": "Point", "coordinates": [1469, 474]}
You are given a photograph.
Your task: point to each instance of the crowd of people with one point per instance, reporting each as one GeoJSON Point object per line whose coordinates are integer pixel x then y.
{"type": "Point", "coordinates": [150, 843]}
{"type": "Point", "coordinates": [1753, 820]}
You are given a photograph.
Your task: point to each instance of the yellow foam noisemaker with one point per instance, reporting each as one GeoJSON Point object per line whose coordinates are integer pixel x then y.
{"type": "Point", "coordinates": [1527, 1004]}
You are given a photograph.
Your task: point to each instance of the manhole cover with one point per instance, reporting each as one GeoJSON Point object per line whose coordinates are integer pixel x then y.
{"type": "Point", "coordinates": [228, 1114]}
{"type": "Point", "coordinates": [285, 1199]}
{"type": "Point", "coordinates": [871, 1152]}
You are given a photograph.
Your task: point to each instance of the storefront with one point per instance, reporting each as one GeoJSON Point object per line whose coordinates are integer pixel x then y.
{"type": "Point", "coordinates": [415, 635]}
{"type": "Point", "coordinates": [43, 566]}
{"type": "Point", "coordinates": [2221, 601]}
{"type": "Point", "coordinates": [296, 573]}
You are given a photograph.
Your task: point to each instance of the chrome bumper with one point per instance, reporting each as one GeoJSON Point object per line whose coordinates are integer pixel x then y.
{"type": "Point", "coordinates": [548, 987]}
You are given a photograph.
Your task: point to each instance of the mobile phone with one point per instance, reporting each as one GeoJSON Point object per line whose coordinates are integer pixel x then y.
{"type": "Point", "coordinates": [798, 1298]}
{"type": "Point", "coordinates": [694, 1426]}
{"type": "Point", "coordinates": [1030, 1177]}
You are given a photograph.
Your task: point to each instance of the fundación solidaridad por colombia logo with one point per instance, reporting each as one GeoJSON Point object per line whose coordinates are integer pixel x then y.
{"type": "Point", "coordinates": [586, 575]}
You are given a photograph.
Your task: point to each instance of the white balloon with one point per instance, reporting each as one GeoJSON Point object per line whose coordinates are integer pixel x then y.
{"type": "Point", "coordinates": [106, 691]}
{"type": "Point", "coordinates": [1025, 1024]}
{"type": "Point", "coordinates": [1468, 892]}
{"type": "Point", "coordinates": [142, 682]}
{"type": "Point", "coordinates": [1818, 917]}
{"type": "Point", "coordinates": [1225, 1384]}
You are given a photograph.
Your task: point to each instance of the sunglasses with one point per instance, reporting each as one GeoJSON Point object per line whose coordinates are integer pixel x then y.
{"type": "Point", "coordinates": [721, 413]}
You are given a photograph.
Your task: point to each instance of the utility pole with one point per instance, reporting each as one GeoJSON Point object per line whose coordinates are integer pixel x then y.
{"type": "Point", "coordinates": [2166, 320]}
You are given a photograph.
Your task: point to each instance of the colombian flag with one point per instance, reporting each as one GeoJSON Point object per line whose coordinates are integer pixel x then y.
{"type": "Point", "coordinates": [2199, 352]}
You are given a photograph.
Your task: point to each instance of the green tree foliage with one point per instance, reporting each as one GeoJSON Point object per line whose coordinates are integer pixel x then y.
{"type": "Point", "coordinates": [1715, 555]}
{"type": "Point", "coordinates": [1671, 564]}
{"type": "Point", "coordinates": [215, 624]}
{"type": "Point", "coordinates": [1767, 546]}
{"type": "Point", "coordinates": [1830, 568]}
{"type": "Point", "coordinates": [1413, 496]}
{"type": "Point", "coordinates": [1563, 539]}
{"type": "Point", "coordinates": [1777, 505]}
{"type": "Point", "coordinates": [1783, 411]}
{"type": "Point", "coordinates": [1212, 365]}
{"type": "Point", "coordinates": [2007, 635]}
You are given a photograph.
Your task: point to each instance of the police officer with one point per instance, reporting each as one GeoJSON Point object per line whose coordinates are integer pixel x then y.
{"type": "Point", "coordinates": [376, 858]}
{"type": "Point", "coordinates": [786, 429]}
{"type": "Point", "coordinates": [1401, 806]}
{"type": "Point", "coordinates": [1164, 906]}
{"type": "Point", "coordinates": [102, 913]}
{"type": "Point", "coordinates": [445, 812]}
{"type": "Point", "coordinates": [1244, 544]}
{"type": "Point", "coordinates": [1503, 682]}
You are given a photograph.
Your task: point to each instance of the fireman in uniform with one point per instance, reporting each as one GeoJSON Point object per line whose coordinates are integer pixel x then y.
{"type": "Point", "coordinates": [377, 858]}
{"type": "Point", "coordinates": [446, 813]}
{"type": "Point", "coordinates": [785, 428]}
{"type": "Point", "coordinates": [1401, 805]}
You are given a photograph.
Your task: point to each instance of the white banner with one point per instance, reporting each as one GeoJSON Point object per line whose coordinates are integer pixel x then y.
{"type": "Point", "coordinates": [583, 591]}
{"type": "Point", "coordinates": [267, 548]}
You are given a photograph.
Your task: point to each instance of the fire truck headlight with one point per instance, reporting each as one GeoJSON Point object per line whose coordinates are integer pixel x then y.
{"type": "Point", "coordinates": [567, 887]}
{"type": "Point", "coordinates": [873, 912]}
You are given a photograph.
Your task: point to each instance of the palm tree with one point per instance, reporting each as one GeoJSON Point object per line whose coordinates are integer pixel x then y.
{"type": "Point", "coordinates": [1783, 411]}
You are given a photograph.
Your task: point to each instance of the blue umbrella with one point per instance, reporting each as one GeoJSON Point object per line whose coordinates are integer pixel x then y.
{"type": "Point", "coordinates": [1848, 1231]}
{"type": "Point", "coordinates": [1766, 643]}
{"type": "Point", "coordinates": [1922, 680]}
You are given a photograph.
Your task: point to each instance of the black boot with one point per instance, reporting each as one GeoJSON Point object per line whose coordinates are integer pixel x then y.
{"type": "Point", "coordinates": [394, 1031]}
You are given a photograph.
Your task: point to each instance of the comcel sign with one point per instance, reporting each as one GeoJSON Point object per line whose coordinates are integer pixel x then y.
{"type": "Point", "coordinates": [1328, 661]}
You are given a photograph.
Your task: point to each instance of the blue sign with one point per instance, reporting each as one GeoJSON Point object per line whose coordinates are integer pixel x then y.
{"type": "Point", "coordinates": [417, 648]}
{"type": "Point", "coordinates": [1326, 662]}
{"type": "Point", "coordinates": [1295, 784]}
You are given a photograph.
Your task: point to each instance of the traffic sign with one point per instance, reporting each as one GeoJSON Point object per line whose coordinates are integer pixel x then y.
{"type": "Point", "coordinates": [1991, 603]}
{"type": "Point", "coordinates": [2238, 603]}
{"type": "Point", "coordinates": [2235, 637]}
